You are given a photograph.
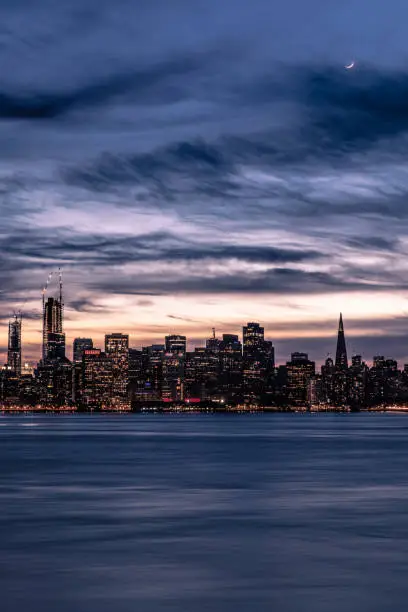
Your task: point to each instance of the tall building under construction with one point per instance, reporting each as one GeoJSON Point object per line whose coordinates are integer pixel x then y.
{"type": "Point", "coordinates": [14, 345]}
{"type": "Point", "coordinates": [53, 315]}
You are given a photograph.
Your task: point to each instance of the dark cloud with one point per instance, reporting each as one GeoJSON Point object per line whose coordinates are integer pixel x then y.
{"type": "Point", "coordinates": [278, 281]}
{"type": "Point", "coordinates": [375, 243]}
{"type": "Point", "coordinates": [235, 120]}
{"type": "Point", "coordinates": [151, 85]}
{"type": "Point", "coordinates": [41, 246]}
{"type": "Point", "coordinates": [356, 108]}
{"type": "Point", "coordinates": [186, 319]}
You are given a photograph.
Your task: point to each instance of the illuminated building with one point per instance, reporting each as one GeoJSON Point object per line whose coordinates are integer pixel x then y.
{"type": "Point", "coordinates": [117, 349]}
{"type": "Point", "coordinates": [258, 362]}
{"type": "Point", "coordinates": [14, 346]}
{"type": "Point", "coordinates": [358, 379]}
{"type": "Point", "coordinates": [173, 377]}
{"type": "Point", "coordinates": [79, 346]}
{"type": "Point", "coordinates": [173, 368]}
{"type": "Point", "coordinates": [315, 394]}
{"type": "Point", "coordinates": [145, 373]}
{"type": "Point", "coordinates": [201, 375]}
{"type": "Point", "coordinates": [328, 381]}
{"type": "Point", "coordinates": [28, 387]}
{"type": "Point", "coordinates": [341, 381]}
{"type": "Point", "coordinates": [54, 382]}
{"type": "Point", "coordinates": [176, 344]}
{"type": "Point", "coordinates": [53, 315]}
{"type": "Point", "coordinates": [299, 371]}
{"type": "Point", "coordinates": [97, 380]}
{"type": "Point", "coordinates": [230, 379]}
{"type": "Point", "coordinates": [341, 350]}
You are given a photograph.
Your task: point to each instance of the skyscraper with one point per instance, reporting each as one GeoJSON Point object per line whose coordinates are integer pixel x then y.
{"type": "Point", "coordinates": [80, 345]}
{"type": "Point", "coordinates": [117, 349]}
{"type": "Point", "coordinates": [258, 362]}
{"type": "Point", "coordinates": [341, 351]}
{"type": "Point", "coordinates": [97, 380]}
{"type": "Point", "coordinates": [53, 336]}
{"type": "Point", "coordinates": [176, 344]}
{"type": "Point", "coordinates": [300, 370]}
{"type": "Point", "coordinates": [341, 379]}
{"type": "Point", "coordinates": [14, 346]}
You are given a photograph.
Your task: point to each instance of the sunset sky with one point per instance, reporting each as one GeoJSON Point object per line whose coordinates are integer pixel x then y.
{"type": "Point", "coordinates": [194, 164]}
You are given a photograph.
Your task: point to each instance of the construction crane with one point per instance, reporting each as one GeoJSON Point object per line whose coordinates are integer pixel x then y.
{"type": "Point", "coordinates": [45, 288]}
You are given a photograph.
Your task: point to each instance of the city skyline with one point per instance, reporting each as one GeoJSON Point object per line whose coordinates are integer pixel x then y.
{"type": "Point", "coordinates": [202, 166]}
{"type": "Point", "coordinates": [54, 311]}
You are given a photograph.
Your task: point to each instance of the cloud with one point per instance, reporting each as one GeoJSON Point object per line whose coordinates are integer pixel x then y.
{"type": "Point", "coordinates": [355, 109]}
{"type": "Point", "coordinates": [278, 281]}
{"type": "Point", "coordinates": [137, 87]}
{"type": "Point", "coordinates": [38, 246]}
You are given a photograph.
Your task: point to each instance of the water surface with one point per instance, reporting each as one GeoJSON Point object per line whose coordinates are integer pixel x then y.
{"type": "Point", "coordinates": [151, 513]}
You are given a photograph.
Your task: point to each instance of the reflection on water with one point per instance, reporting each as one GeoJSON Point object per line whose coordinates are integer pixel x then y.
{"type": "Point", "coordinates": [194, 513]}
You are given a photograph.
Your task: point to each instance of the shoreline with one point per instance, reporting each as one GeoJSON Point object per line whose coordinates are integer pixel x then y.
{"type": "Point", "coordinates": [13, 410]}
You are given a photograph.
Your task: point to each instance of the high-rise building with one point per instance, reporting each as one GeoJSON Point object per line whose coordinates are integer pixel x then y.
{"type": "Point", "coordinates": [213, 344]}
{"type": "Point", "coordinates": [201, 375]}
{"type": "Point", "coordinates": [341, 350]}
{"type": "Point", "coordinates": [97, 380]}
{"type": "Point", "coordinates": [328, 371]}
{"type": "Point", "coordinates": [341, 380]}
{"type": "Point", "coordinates": [117, 349]}
{"type": "Point", "coordinates": [358, 379]}
{"type": "Point", "coordinates": [79, 346]}
{"type": "Point", "coordinates": [300, 370]}
{"type": "Point", "coordinates": [154, 356]}
{"type": "Point", "coordinates": [258, 362]}
{"type": "Point", "coordinates": [53, 335]}
{"type": "Point", "coordinates": [173, 368]}
{"type": "Point", "coordinates": [230, 379]}
{"type": "Point", "coordinates": [14, 346]}
{"type": "Point", "coordinates": [176, 344]}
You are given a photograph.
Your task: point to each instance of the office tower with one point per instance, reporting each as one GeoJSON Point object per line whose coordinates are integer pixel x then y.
{"type": "Point", "coordinates": [154, 373]}
{"type": "Point", "coordinates": [117, 349]}
{"type": "Point", "coordinates": [145, 374]}
{"type": "Point", "coordinates": [53, 314]}
{"type": "Point", "coordinates": [213, 344]}
{"type": "Point", "coordinates": [230, 379]}
{"type": "Point", "coordinates": [258, 362]}
{"type": "Point", "coordinates": [79, 346]}
{"type": "Point", "coordinates": [341, 379]}
{"type": "Point", "coordinates": [55, 346]}
{"type": "Point", "coordinates": [54, 382]}
{"type": "Point", "coordinates": [358, 379]}
{"type": "Point", "coordinates": [383, 380]}
{"type": "Point", "coordinates": [176, 344]}
{"type": "Point", "coordinates": [54, 372]}
{"type": "Point", "coordinates": [28, 387]}
{"type": "Point", "coordinates": [14, 346]}
{"type": "Point", "coordinates": [341, 350]}
{"type": "Point", "coordinates": [315, 394]}
{"type": "Point", "coordinates": [137, 375]}
{"type": "Point", "coordinates": [97, 380]}
{"type": "Point", "coordinates": [299, 370]}
{"type": "Point", "coordinates": [328, 371]}
{"type": "Point", "coordinates": [172, 389]}
{"type": "Point", "coordinates": [173, 364]}
{"type": "Point", "coordinates": [201, 375]}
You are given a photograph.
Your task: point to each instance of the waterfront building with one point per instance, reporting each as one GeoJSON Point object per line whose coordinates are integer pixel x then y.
{"type": "Point", "coordinates": [97, 380]}
{"type": "Point", "coordinates": [117, 350]}
{"type": "Point", "coordinates": [299, 372]}
{"type": "Point", "coordinates": [258, 363]}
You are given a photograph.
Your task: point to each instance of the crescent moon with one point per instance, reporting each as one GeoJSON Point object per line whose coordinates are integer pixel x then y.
{"type": "Point", "coordinates": [350, 66]}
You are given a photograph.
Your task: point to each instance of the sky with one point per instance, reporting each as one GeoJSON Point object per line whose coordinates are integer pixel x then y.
{"type": "Point", "coordinates": [196, 164]}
